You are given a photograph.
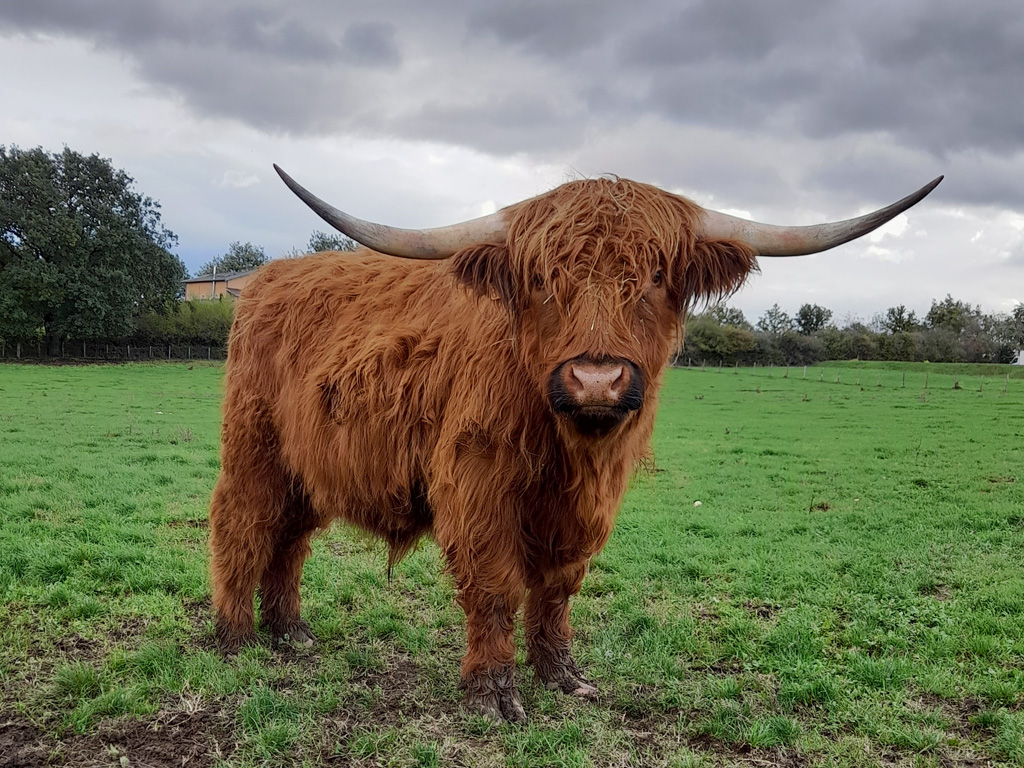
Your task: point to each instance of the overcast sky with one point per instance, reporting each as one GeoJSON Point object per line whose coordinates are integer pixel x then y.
{"type": "Point", "coordinates": [423, 114]}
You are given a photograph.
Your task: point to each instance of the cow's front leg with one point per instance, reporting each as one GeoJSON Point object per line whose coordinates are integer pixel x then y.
{"type": "Point", "coordinates": [548, 634]}
{"type": "Point", "coordinates": [488, 668]}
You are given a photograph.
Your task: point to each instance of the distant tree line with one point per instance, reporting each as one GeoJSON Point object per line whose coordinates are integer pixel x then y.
{"type": "Point", "coordinates": [85, 258]}
{"type": "Point", "coordinates": [951, 331]}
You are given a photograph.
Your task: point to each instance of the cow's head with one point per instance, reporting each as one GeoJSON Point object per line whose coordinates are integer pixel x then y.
{"type": "Point", "coordinates": [598, 276]}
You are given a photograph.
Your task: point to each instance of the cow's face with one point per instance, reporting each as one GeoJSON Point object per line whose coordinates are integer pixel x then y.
{"type": "Point", "coordinates": [598, 276]}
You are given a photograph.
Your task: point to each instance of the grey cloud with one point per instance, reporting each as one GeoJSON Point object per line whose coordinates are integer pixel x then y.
{"type": "Point", "coordinates": [134, 27]}
{"type": "Point", "coordinates": [935, 75]}
{"type": "Point", "coordinates": [371, 44]}
{"type": "Point", "coordinates": [935, 82]}
{"type": "Point", "coordinates": [502, 123]}
{"type": "Point", "coordinates": [555, 30]}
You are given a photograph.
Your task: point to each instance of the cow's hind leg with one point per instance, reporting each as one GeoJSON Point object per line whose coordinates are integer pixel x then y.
{"type": "Point", "coordinates": [548, 634]}
{"type": "Point", "coordinates": [279, 586]}
{"type": "Point", "coordinates": [245, 518]}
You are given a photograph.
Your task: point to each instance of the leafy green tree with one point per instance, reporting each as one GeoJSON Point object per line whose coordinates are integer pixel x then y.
{"type": "Point", "coordinates": [1015, 327]}
{"type": "Point", "coordinates": [724, 315]}
{"type": "Point", "coordinates": [81, 252]}
{"type": "Point", "coordinates": [812, 318]}
{"type": "Point", "coordinates": [951, 314]}
{"type": "Point", "coordinates": [898, 320]}
{"type": "Point", "coordinates": [329, 241]}
{"type": "Point", "coordinates": [240, 257]}
{"type": "Point", "coordinates": [708, 340]}
{"type": "Point", "coordinates": [775, 322]}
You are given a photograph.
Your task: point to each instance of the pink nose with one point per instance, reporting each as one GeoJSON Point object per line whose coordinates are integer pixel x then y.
{"type": "Point", "coordinates": [596, 383]}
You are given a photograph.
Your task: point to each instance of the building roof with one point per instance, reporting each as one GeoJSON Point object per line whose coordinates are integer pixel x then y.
{"type": "Point", "coordinates": [220, 276]}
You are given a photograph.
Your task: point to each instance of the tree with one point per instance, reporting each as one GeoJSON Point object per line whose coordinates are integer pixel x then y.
{"type": "Point", "coordinates": [775, 322]}
{"type": "Point", "coordinates": [240, 257]}
{"type": "Point", "coordinates": [1015, 327]}
{"type": "Point", "coordinates": [812, 318]}
{"type": "Point", "coordinates": [724, 315]}
{"type": "Point", "coordinates": [81, 252]}
{"type": "Point", "coordinates": [951, 314]}
{"type": "Point", "coordinates": [329, 241]}
{"type": "Point", "coordinates": [898, 320]}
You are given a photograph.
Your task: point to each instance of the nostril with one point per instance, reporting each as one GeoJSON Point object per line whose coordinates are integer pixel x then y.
{"type": "Point", "coordinates": [621, 383]}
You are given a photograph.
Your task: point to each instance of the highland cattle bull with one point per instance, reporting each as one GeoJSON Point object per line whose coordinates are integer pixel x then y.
{"type": "Point", "coordinates": [494, 389]}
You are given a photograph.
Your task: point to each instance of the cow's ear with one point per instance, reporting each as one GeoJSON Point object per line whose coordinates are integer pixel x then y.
{"type": "Point", "coordinates": [485, 268]}
{"type": "Point", "coordinates": [716, 269]}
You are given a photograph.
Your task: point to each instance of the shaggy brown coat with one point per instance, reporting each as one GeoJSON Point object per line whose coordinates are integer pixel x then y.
{"type": "Point", "coordinates": [410, 397]}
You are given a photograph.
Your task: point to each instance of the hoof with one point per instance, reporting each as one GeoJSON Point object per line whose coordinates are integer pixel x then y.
{"type": "Point", "coordinates": [493, 695]}
{"type": "Point", "coordinates": [295, 633]}
{"type": "Point", "coordinates": [558, 672]}
{"type": "Point", "coordinates": [577, 687]}
{"type": "Point", "coordinates": [231, 640]}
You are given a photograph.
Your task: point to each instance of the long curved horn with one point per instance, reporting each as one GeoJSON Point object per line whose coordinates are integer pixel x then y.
{"type": "Point", "coordinates": [771, 240]}
{"type": "Point", "coordinates": [437, 243]}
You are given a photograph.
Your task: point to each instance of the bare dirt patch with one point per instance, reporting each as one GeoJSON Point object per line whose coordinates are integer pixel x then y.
{"type": "Point", "coordinates": [779, 757]}
{"type": "Point", "coordinates": [763, 611]}
{"type": "Point", "coordinates": [178, 739]}
{"type": "Point", "coordinates": [21, 743]}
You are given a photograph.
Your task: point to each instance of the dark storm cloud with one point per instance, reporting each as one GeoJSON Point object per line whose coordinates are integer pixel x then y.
{"type": "Point", "coordinates": [936, 74]}
{"type": "Point", "coordinates": [371, 44]}
{"type": "Point", "coordinates": [556, 30]}
{"type": "Point", "coordinates": [133, 28]}
{"type": "Point", "coordinates": [935, 84]}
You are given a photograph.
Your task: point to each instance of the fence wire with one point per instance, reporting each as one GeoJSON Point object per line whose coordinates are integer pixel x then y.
{"type": "Point", "coordinates": [88, 351]}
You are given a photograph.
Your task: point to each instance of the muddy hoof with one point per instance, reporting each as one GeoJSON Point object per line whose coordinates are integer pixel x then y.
{"type": "Point", "coordinates": [230, 640]}
{"type": "Point", "coordinates": [296, 633]}
{"type": "Point", "coordinates": [493, 695]}
{"type": "Point", "coordinates": [573, 686]}
{"type": "Point", "coordinates": [559, 672]}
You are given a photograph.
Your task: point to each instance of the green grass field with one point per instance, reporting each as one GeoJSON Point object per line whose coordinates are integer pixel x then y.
{"type": "Point", "coordinates": [850, 591]}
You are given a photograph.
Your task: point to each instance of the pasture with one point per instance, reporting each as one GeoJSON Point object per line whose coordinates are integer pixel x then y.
{"type": "Point", "coordinates": [849, 592]}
